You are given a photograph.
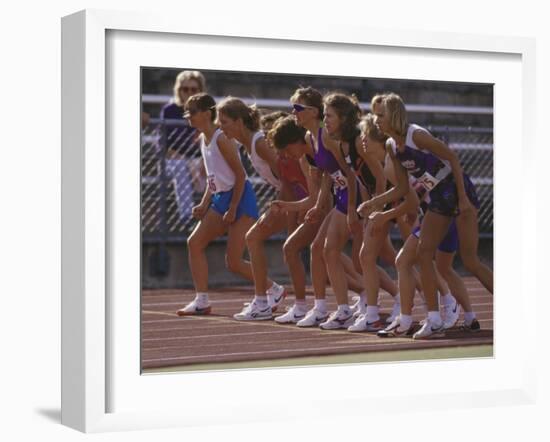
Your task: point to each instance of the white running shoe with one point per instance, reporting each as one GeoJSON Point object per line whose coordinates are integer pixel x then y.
{"type": "Point", "coordinates": [430, 330]}
{"type": "Point", "coordinates": [275, 297]}
{"type": "Point", "coordinates": [253, 312]}
{"type": "Point", "coordinates": [395, 311]}
{"type": "Point", "coordinates": [313, 318]}
{"type": "Point", "coordinates": [395, 330]}
{"type": "Point", "coordinates": [338, 320]}
{"type": "Point", "coordinates": [362, 324]}
{"type": "Point", "coordinates": [294, 315]}
{"type": "Point", "coordinates": [194, 309]}
{"type": "Point", "coordinates": [359, 308]}
{"type": "Point", "coordinates": [450, 315]}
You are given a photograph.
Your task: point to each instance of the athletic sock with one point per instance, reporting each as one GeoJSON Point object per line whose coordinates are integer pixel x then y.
{"type": "Point", "coordinates": [405, 321]}
{"type": "Point", "coordinates": [321, 305]}
{"type": "Point", "coordinates": [202, 299]}
{"type": "Point", "coordinates": [447, 299]}
{"type": "Point", "coordinates": [435, 318]}
{"type": "Point", "coordinates": [301, 305]}
{"type": "Point", "coordinates": [261, 300]}
{"type": "Point", "coordinates": [343, 308]}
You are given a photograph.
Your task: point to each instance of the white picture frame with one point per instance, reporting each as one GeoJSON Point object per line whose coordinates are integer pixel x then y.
{"type": "Point", "coordinates": [89, 169]}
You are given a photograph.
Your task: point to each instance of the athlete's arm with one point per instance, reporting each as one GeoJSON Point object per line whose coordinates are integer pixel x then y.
{"type": "Point", "coordinates": [395, 193]}
{"type": "Point", "coordinates": [425, 140]}
{"type": "Point", "coordinates": [352, 218]}
{"type": "Point", "coordinates": [229, 151]}
{"type": "Point", "coordinates": [374, 164]}
{"type": "Point", "coordinates": [313, 179]}
{"type": "Point", "coordinates": [268, 155]}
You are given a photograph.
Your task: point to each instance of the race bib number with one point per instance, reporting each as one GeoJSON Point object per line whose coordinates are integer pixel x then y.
{"type": "Point", "coordinates": [428, 181]}
{"type": "Point", "coordinates": [340, 181]}
{"type": "Point", "coordinates": [211, 184]}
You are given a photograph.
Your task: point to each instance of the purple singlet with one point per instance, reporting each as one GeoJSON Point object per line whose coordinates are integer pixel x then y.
{"type": "Point", "coordinates": [325, 161]}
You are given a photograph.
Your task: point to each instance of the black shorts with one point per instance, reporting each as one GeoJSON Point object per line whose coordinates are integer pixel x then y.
{"type": "Point", "coordinates": [444, 196]}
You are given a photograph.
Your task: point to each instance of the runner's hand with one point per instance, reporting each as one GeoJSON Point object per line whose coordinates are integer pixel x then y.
{"type": "Point", "coordinates": [313, 215]}
{"type": "Point", "coordinates": [230, 215]}
{"type": "Point", "coordinates": [199, 211]}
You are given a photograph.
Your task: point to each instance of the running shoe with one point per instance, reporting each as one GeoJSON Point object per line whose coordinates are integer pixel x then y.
{"type": "Point", "coordinates": [338, 320]}
{"type": "Point", "coordinates": [394, 312]}
{"type": "Point", "coordinates": [313, 318]}
{"type": "Point", "coordinates": [292, 316]}
{"type": "Point", "coordinates": [362, 324]}
{"type": "Point", "coordinates": [473, 327]}
{"type": "Point", "coordinates": [450, 315]}
{"type": "Point", "coordinates": [253, 312]}
{"type": "Point", "coordinates": [274, 299]}
{"type": "Point", "coordinates": [430, 330]}
{"type": "Point", "coordinates": [194, 309]}
{"type": "Point", "coordinates": [395, 330]}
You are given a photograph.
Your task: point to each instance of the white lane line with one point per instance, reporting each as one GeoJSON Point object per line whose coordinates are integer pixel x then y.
{"type": "Point", "coordinates": [300, 350]}
{"type": "Point", "coordinates": [224, 335]}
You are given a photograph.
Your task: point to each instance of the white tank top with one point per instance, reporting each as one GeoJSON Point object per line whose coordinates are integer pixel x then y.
{"type": "Point", "coordinates": [219, 176]}
{"type": "Point", "coordinates": [261, 166]}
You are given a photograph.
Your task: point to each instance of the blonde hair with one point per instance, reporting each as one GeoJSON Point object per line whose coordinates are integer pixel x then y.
{"type": "Point", "coordinates": [235, 108]}
{"type": "Point", "coordinates": [377, 99]}
{"type": "Point", "coordinates": [185, 76]}
{"type": "Point", "coordinates": [369, 128]}
{"type": "Point", "coordinates": [396, 113]}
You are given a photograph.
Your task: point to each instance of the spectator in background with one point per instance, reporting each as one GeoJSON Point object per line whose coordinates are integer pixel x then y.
{"type": "Point", "coordinates": [181, 140]}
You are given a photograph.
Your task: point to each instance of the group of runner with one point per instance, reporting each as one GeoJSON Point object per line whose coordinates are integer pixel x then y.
{"type": "Point", "coordinates": [340, 175]}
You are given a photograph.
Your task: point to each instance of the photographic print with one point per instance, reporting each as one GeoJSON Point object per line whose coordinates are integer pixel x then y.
{"type": "Point", "coordinates": [296, 220]}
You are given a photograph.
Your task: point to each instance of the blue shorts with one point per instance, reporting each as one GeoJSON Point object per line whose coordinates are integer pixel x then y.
{"type": "Point", "coordinates": [449, 244]}
{"type": "Point", "coordinates": [444, 196]}
{"type": "Point", "coordinates": [247, 205]}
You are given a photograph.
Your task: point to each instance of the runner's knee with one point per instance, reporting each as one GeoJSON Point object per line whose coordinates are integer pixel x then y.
{"type": "Point", "coordinates": [317, 247]}
{"type": "Point", "coordinates": [289, 251]}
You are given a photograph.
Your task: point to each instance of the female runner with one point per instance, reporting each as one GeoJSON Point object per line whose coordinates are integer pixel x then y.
{"type": "Point", "coordinates": [414, 150]}
{"type": "Point", "coordinates": [228, 204]}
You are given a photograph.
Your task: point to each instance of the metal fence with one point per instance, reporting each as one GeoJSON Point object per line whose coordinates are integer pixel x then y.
{"type": "Point", "coordinates": [171, 184]}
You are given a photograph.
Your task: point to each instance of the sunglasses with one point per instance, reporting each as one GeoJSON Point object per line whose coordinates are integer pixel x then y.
{"type": "Point", "coordinates": [187, 90]}
{"type": "Point", "coordinates": [300, 107]}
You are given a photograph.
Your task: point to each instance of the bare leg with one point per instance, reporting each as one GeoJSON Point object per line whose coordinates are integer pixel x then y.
{"type": "Point", "coordinates": [208, 229]}
{"type": "Point", "coordinates": [236, 245]}
{"type": "Point", "coordinates": [433, 230]}
{"type": "Point", "coordinates": [444, 263]}
{"type": "Point", "coordinates": [337, 236]}
{"type": "Point", "coordinates": [318, 268]}
{"type": "Point", "coordinates": [372, 244]}
{"type": "Point", "coordinates": [295, 243]}
{"type": "Point", "coordinates": [267, 225]}
{"type": "Point", "coordinates": [405, 261]}
{"type": "Point", "coordinates": [468, 235]}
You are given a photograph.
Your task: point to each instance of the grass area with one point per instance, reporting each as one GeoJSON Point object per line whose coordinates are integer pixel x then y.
{"type": "Point", "coordinates": [475, 351]}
